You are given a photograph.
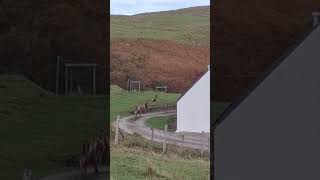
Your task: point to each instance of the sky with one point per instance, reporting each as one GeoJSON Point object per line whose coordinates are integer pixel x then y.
{"type": "Point", "coordinates": [131, 7]}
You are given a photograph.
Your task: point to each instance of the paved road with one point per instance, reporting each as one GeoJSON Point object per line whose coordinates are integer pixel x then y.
{"type": "Point", "coordinates": [191, 140]}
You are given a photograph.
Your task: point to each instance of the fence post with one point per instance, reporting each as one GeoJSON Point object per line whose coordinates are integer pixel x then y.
{"type": "Point", "coordinates": [27, 174]}
{"type": "Point", "coordinates": [117, 131]}
{"type": "Point", "coordinates": [202, 146]}
{"type": "Point", "coordinates": [182, 139]}
{"type": "Point", "coordinates": [66, 80]}
{"type": "Point", "coordinates": [152, 134]}
{"type": "Point", "coordinates": [209, 147]}
{"type": "Point", "coordinates": [124, 137]}
{"type": "Point", "coordinates": [165, 138]}
{"type": "Point", "coordinates": [57, 75]}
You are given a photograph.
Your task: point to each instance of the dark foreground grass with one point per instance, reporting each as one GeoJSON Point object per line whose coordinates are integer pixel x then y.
{"type": "Point", "coordinates": [38, 130]}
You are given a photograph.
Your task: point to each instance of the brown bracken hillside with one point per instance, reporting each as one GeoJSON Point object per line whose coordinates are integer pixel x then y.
{"type": "Point", "coordinates": [249, 35]}
{"type": "Point", "coordinates": [161, 48]}
{"type": "Point", "coordinates": [157, 62]}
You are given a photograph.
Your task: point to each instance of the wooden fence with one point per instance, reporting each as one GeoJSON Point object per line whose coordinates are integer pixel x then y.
{"type": "Point", "coordinates": [156, 108]}
{"type": "Point", "coordinates": [199, 141]}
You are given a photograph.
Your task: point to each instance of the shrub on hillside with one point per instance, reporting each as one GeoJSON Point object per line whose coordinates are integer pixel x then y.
{"type": "Point", "coordinates": [124, 68]}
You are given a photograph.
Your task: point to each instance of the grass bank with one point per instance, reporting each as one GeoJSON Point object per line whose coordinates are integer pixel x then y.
{"type": "Point", "coordinates": [38, 130]}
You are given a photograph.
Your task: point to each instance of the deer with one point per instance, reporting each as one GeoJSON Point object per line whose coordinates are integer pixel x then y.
{"type": "Point", "coordinates": [93, 151]}
{"type": "Point", "coordinates": [146, 106]}
{"type": "Point", "coordinates": [139, 110]}
{"type": "Point", "coordinates": [89, 156]}
{"type": "Point", "coordinates": [154, 100]}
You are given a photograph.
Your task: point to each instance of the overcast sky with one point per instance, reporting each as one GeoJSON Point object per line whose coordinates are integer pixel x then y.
{"type": "Point", "coordinates": [130, 7]}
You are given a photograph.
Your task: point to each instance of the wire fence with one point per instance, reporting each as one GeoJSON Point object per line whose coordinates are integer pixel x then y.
{"type": "Point", "coordinates": [200, 141]}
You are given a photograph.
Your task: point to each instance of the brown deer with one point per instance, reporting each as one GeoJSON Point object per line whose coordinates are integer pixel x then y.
{"type": "Point", "coordinates": [145, 106]}
{"type": "Point", "coordinates": [89, 156]}
{"type": "Point", "coordinates": [139, 110]}
{"type": "Point", "coordinates": [93, 151]}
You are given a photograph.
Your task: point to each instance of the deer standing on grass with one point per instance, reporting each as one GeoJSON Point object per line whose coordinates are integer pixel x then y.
{"type": "Point", "coordinates": [92, 152]}
{"type": "Point", "coordinates": [154, 100]}
{"type": "Point", "coordinates": [89, 156]}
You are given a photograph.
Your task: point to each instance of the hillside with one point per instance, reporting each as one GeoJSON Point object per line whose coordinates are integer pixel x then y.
{"type": "Point", "coordinates": [41, 131]}
{"type": "Point", "coordinates": [250, 35]}
{"type": "Point", "coordinates": [169, 47]}
{"type": "Point", "coordinates": [162, 62]}
{"type": "Point", "coordinates": [33, 33]}
{"type": "Point", "coordinates": [189, 25]}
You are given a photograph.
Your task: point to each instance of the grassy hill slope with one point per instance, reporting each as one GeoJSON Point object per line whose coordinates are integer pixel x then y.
{"type": "Point", "coordinates": [37, 129]}
{"type": "Point", "coordinates": [189, 25]}
{"type": "Point", "coordinates": [173, 47]}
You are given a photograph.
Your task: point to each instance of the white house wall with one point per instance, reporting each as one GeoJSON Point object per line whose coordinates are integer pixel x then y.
{"type": "Point", "coordinates": [193, 109]}
{"type": "Point", "coordinates": [275, 132]}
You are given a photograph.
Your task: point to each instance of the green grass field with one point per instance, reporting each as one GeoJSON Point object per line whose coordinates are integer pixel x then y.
{"type": "Point", "coordinates": [159, 122]}
{"type": "Point", "coordinates": [184, 25]}
{"type": "Point", "coordinates": [38, 129]}
{"type": "Point", "coordinates": [122, 102]}
{"type": "Point", "coordinates": [136, 164]}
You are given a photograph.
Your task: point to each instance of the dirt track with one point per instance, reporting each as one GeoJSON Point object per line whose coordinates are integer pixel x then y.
{"type": "Point", "coordinates": [191, 140]}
